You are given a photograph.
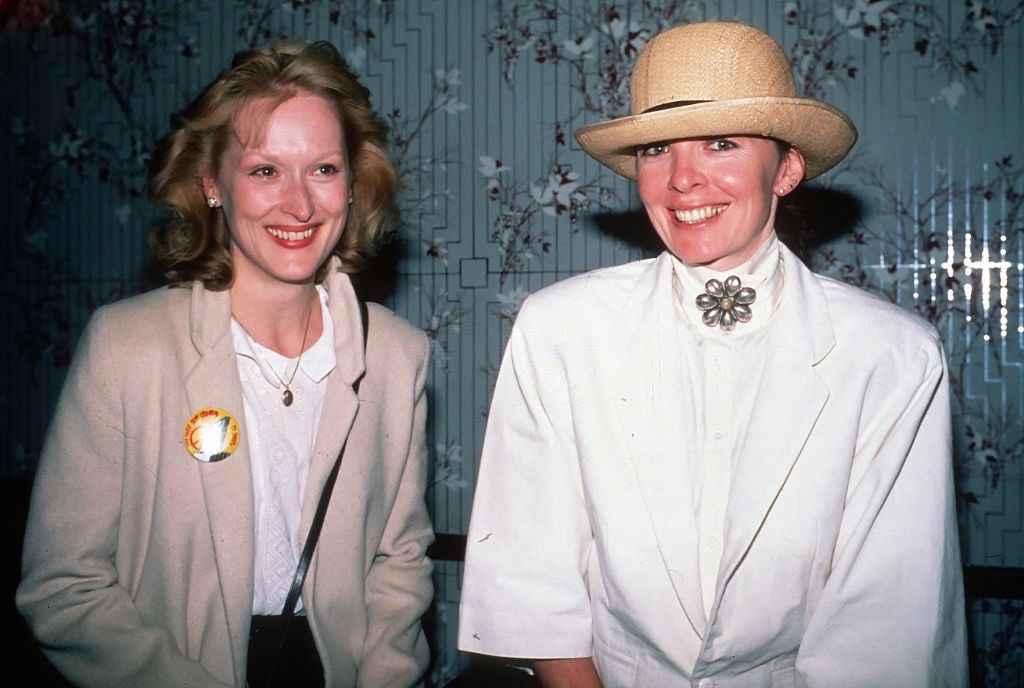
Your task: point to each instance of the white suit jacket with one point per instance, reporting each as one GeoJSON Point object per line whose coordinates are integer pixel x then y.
{"type": "Point", "coordinates": [841, 565]}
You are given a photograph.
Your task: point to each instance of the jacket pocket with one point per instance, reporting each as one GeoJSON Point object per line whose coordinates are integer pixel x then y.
{"type": "Point", "coordinates": [616, 669]}
{"type": "Point", "coordinates": [784, 672]}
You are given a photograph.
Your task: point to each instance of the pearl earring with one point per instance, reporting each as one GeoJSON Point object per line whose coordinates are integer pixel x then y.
{"type": "Point", "coordinates": [212, 202]}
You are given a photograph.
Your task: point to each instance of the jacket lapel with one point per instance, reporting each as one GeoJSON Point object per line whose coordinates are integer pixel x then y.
{"type": "Point", "coordinates": [653, 397]}
{"type": "Point", "coordinates": [788, 403]}
{"type": "Point", "coordinates": [227, 484]}
{"type": "Point", "coordinates": [340, 402]}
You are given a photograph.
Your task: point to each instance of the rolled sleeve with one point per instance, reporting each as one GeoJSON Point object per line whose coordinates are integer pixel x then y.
{"type": "Point", "coordinates": [524, 590]}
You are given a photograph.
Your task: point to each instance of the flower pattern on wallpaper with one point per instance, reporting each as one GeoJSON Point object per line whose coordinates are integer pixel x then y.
{"type": "Point", "coordinates": [122, 51]}
{"type": "Point", "coordinates": [1000, 660]}
{"type": "Point", "coordinates": [509, 303]}
{"type": "Point", "coordinates": [259, 21]}
{"type": "Point", "coordinates": [597, 57]}
{"type": "Point", "coordinates": [443, 318]}
{"type": "Point", "coordinates": [600, 51]}
{"type": "Point", "coordinates": [448, 466]}
{"type": "Point", "coordinates": [111, 42]}
{"type": "Point", "coordinates": [518, 231]}
{"type": "Point", "coordinates": [821, 60]}
{"type": "Point", "coordinates": [953, 285]}
{"type": "Point", "coordinates": [416, 165]}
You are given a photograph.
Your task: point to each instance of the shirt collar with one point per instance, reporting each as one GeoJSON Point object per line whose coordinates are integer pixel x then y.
{"type": "Point", "coordinates": [763, 272]}
{"type": "Point", "coordinates": [317, 361]}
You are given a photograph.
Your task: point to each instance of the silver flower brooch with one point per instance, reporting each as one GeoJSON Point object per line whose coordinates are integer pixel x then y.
{"type": "Point", "coordinates": [726, 304]}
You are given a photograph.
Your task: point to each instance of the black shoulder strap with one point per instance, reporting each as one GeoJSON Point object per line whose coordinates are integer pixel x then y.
{"type": "Point", "coordinates": [288, 613]}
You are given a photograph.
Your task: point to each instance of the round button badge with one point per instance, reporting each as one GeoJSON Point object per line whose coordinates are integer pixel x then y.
{"type": "Point", "coordinates": [211, 434]}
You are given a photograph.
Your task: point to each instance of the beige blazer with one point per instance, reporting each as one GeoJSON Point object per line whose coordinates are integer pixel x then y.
{"type": "Point", "coordinates": [840, 563]}
{"type": "Point", "coordinates": [138, 563]}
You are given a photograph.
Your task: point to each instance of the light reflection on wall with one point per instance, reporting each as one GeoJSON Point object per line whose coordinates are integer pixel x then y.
{"type": "Point", "coordinates": [985, 266]}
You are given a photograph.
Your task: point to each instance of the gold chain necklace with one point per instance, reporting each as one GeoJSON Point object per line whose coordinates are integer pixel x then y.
{"type": "Point", "coordinates": [287, 397]}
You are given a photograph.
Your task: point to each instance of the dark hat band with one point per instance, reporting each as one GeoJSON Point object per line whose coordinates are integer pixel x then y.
{"type": "Point", "coordinates": [673, 104]}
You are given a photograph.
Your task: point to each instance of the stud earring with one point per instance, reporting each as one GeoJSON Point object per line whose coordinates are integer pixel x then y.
{"type": "Point", "coordinates": [212, 202]}
{"type": "Point", "coordinates": [351, 198]}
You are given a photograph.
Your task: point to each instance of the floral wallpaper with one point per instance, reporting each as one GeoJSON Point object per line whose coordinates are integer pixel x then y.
{"type": "Point", "coordinates": [498, 200]}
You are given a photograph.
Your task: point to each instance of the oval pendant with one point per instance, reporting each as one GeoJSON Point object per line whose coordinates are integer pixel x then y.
{"type": "Point", "coordinates": [287, 397]}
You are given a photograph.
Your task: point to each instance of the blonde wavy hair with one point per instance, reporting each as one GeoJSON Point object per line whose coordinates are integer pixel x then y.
{"type": "Point", "coordinates": [194, 242]}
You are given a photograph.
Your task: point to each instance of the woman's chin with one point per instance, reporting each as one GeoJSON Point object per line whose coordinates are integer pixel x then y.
{"type": "Point", "coordinates": [697, 256]}
{"type": "Point", "coordinates": [281, 275]}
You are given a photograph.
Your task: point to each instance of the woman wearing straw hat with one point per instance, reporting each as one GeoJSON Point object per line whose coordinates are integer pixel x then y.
{"type": "Point", "coordinates": [716, 468]}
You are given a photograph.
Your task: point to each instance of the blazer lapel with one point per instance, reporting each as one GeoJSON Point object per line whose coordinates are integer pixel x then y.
{"type": "Point", "coordinates": [340, 402]}
{"type": "Point", "coordinates": [652, 398]}
{"type": "Point", "coordinates": [227, 484]}
{"type": "Point", "coordinates": [788, 403]}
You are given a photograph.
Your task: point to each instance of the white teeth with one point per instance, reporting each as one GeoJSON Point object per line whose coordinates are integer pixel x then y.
{"type": "Point", "coordinates": [698, 214]}
{"type": "Point", "coordinates": [292, 236]}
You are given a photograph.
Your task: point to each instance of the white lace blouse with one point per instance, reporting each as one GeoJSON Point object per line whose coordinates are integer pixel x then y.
{"type": "Point", "coordinates": [280, 445]}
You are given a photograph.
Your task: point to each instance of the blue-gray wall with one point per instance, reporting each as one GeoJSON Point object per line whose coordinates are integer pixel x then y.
{"type": "Point", "coordinates": [500, 201]}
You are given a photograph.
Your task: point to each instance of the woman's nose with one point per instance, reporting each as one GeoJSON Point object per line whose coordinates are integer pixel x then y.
{"type": "Point", "coordinates": [686, 173]}
{"type": "Point", "coordinates": [298, 201]}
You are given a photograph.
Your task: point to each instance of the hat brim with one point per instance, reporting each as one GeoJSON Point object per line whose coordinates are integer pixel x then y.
{"type": "Point", "coordinates": [820, 132]}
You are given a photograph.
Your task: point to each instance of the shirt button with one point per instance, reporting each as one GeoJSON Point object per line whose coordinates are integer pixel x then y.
{"type": "Point", "coordinates": [718, 436]}
{"type": "Point", "coordinates": [706, 683]}
{"type": "Point", "coordinates": [713, 542]}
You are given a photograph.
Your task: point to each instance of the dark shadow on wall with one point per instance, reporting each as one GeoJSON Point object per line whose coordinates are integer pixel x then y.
{"type": "Point", "coordinates": [810, 217]}
{"type": "Point", "coordinates": [632, 228]}
{"type": "Point", "coordinates": [377, 282]}
{"type": "Point", "coordinates": [24, 663]}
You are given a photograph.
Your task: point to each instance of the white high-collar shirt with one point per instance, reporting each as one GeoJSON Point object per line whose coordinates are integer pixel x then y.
{"type": "Point", "coordinates": [280, 444]}
{"type": "Point", "coordinates": [840, 564]}
{"type": "Point", "coordinates": [729, 365]}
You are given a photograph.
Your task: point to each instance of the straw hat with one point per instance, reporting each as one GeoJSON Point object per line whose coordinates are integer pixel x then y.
{"type": "Point", "coordinates": [718, 78]}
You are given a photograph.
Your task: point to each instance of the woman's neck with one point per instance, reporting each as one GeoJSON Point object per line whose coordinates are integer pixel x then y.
{"type": "Point", "coordinates": [277, 318]}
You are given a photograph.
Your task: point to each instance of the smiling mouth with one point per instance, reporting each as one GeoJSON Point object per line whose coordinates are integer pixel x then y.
{"type": "Point", "coordinates": [698, 214]}
{"type": "Point", "coordinates": [291, 236]}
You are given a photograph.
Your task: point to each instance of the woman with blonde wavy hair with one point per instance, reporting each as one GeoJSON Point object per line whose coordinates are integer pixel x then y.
{"type": "Point", "coordinates": [211, 433]}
